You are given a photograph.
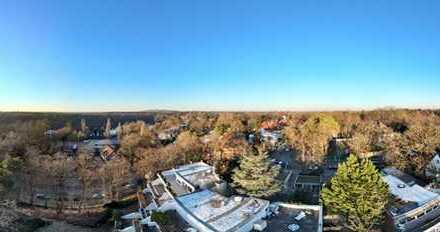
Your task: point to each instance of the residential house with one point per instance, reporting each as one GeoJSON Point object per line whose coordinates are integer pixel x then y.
{"type": "Point", "coordinates": [197, 193]}
{"type": "Point", "coordinates": [169, 134]}
{"type": "Point", "coordinates": [99, 145]}
{"type": "Point", "coordinates": [308, 183]}
{"type": "Point", "coordinates": [433, 169]}
{"type": "Point", "coordinates": [271, 136]}
{"type": "Point", "coordinates": [108, 153]}
{"type": "Point", "coordinates": [274, 124]}
{"type": "Point", "coordinates": [413, 206]}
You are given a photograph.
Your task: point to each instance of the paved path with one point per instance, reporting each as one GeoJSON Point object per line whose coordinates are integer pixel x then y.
{"type": "Point", "coordinates": [287, 179]}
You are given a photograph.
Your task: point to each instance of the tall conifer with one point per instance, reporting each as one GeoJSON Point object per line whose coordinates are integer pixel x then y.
{"type": "Point", "coordinates": [256, 176]}
{"type": "Point", "coordinates": [357, 193]}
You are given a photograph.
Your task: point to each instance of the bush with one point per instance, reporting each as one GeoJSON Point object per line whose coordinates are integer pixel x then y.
{"type": "Point", "coordinates": [116, 215]}
{"type": "Point", "coordinates": [105, 217]}
{"type": "Point", "coordinates": [121, 204]}
{"type": "Point", "coordinates": [31, 224]}
{"type": "Point", "coordinates": [161, 218]}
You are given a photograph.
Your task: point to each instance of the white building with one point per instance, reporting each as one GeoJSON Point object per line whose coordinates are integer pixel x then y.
{"type": "Point", "coordinates": [434, 228]}
{"type": "Point", "coordinates": [193, 191]}
{"type": "Point", "coordinates": [413, 206]}
{"type": "Point", "coordinates": [51, 132]}
{"type": "Point", "coordinates": [434, 166]}
{"type": "Point", "coordinates": [271, 136]}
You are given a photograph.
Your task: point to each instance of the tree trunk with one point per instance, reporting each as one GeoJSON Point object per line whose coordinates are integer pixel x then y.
{"type": "Point", "coordinates": [31, 186]}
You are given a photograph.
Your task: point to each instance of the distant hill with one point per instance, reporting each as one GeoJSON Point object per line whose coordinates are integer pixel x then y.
{"type": "Point", "coordinates": [93, 120]}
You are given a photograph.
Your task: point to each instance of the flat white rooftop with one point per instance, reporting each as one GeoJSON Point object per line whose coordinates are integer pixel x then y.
{"type": "Point", "coordinates": [187, 178]}
{"type": "Point", "coordinates": [407, 192]}
{"type": "Point", "coordinates": [189, 169]}
{"type": "Point", "coordinates": [190, 188]}
{"type": "Point", "coordinates": [222, 213]}
{"type": "Point", "coordinates": [312, 221]}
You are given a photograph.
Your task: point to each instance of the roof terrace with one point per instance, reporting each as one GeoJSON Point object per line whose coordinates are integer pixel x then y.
{"type": "Point", "coordinates": [312, 221]}
{"type": "Point", "coordinates": [219, 212]}
{"type": "Point", "coordinates": [188, 178]}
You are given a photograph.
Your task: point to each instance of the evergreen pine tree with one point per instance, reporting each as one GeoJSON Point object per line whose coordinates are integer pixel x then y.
{"type": "Point", "coordinates": [357, 193]}
{"type": "Point", "coordinates": [256, 176]}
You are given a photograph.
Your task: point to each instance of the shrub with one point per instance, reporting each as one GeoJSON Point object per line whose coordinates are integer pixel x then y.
{"type": "Point", "coordinates": [161, 218]}
{"type": "Point", "coordinates": [31, 224]}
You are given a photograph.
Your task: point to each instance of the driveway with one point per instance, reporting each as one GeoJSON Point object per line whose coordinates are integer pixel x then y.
{"type": "Point", "coordinates": [289, 173]}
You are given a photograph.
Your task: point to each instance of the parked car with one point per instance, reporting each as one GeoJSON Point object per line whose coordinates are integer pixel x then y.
{"type": "Point", "coordinates": [313, 170]}
{"type": "Point", "coordinates": [40, 196]}
{"type": "Point", "coordinates": [280, 163]}
{"type": "Point", "coordinates": [98, 195]}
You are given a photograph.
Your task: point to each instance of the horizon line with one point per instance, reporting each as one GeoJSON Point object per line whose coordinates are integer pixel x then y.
{"type": "Point", "coordinates": [182, 110]}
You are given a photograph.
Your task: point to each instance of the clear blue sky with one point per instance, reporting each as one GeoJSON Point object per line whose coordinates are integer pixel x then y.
{"type": "Point", "coordinates": [218, 55]}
